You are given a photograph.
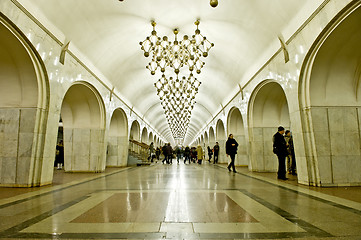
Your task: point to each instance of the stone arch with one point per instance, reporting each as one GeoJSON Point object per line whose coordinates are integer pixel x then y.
{"type": "Point", "coordinates": [144, 135]}
{"type": "Point", "coordinates": [117, 151]}
{"type": "Point", "coordinates": [202, 141]}
{"type": "Point", "coordinates": [236, 127]}
{"type": "Point", "coordinates": [221, 138]}
{"type": "Point", "coordinates": [268, 109]}
{"type": "Point", "coordinates": [24, 106]}
{"type": "Point", "coordinates": [330, 103]}
{"type": "Point", "coordinates": [83, 115]}
{"type": "Point", "coordinates": [150, 138]}
{"type": "Point", "coordinates": [135, 131]}
{"type": "Point", "coordinates": [206, 139]}
{"type": "Point", "coordinates": [212, 138]}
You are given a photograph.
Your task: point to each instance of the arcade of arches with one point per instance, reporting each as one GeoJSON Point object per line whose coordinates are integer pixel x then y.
{"type": "Point", "coordinates": [315, 94]}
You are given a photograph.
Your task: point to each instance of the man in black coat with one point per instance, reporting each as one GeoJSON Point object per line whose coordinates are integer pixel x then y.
{"type": "Point", "coordinates": [231, 150]}
{"type": "Point", "coordinates": [215, 152]}
{"type": "Point", "coordinates": [280, 149]}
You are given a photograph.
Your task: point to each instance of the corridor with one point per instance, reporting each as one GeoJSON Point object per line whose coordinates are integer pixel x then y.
{"type": "Point", "coordinates": [177, 202]}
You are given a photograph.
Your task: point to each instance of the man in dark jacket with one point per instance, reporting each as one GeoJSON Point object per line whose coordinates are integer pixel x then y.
{"type": "Point", "coordinates": [280, 149]}
{"type": "Point", "coordinates": [187, 153]}
{"type": "Point", "coordinates": [231, 150]}
{"type": "Point", "coordinates": [215, 152]}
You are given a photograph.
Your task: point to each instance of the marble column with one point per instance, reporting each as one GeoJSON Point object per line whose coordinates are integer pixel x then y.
{"type": "Point", "coordinates": [84, 150]}
{"type": "Point", "coordinates": [21, 146]}
{"type": "Point", "coordinates": [334, 146]}
{"type": "Point", "coordinates": [261, 146]}
{"type": "Point", "coordinates": [222, 158]}
{"type": "Point", "coordinates": [242, 153]}
{"type": "Point", "coordinates": [117, 151]}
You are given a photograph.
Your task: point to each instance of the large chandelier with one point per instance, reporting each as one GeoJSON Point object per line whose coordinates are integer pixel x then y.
{"type": "Point", "coordinates": [177, 95]}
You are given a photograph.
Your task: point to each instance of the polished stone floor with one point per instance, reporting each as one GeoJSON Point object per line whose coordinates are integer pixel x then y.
{"type": "Point", "coordinates": [178, 202]}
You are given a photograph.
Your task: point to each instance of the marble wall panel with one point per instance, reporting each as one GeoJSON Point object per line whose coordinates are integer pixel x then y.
{"type": "Point", "coordinates": [84, 152]}
{"type": "Point", "coordinates": [339, 170]}
{"type": "Point", "coordinates": [8, 173]}
{"type": "Point", "coordinates": [319, 119]}
{"type": "Point", "coordinates": [323, 143]}
{"type": "Point", "coordinates": [27, 120]}
{"type": "Point", "coordinates": [325, 169]}
{"type": "Point", "coordinates": [338, 146]}
{"type": "Point", "coordinates": [353, 165]}
{"type": "Point", "coordinates": [23, 171]}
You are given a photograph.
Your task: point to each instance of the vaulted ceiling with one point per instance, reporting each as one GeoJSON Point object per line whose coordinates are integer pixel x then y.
{"type": "Point", "coordinates": [108, 32]}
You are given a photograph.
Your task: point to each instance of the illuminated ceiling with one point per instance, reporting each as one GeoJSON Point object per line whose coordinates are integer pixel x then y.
{"type": "Point", "coordinates": [108, 32]}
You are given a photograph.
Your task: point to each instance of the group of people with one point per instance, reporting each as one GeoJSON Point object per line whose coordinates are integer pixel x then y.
{"type": "Point", "coordinates": [283, 148]}
{"type": "Point", "coordinates": [194, 154]}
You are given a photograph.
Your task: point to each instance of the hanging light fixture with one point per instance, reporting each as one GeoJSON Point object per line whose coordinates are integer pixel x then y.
{"type": "Point", "coordinates": [177, 95]}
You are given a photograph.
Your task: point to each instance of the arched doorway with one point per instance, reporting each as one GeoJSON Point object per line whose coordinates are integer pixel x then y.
{"type": "Point", "coordinates": [24, 106]}
{"type": "Point", "coordinates": [150, 138]}
{"type": "Point", "coordinates": [135, 131]}
{"type": "Point", "coordinates": [206, 139]}
{"type": "Point", "coordinates": [212, 138]}
{"type": "Point", "coordinates": [268, 110]}
{"type": "Point", "coordinates": [82, 113]}
{"type": "Point", "coordinates": [221, 138]}
{"type": "Point", "coordinates": [117, 151]}
{"type": "Point", "coordinates": [145, 135]}
{"type": "Point", "coordinates": [331, 104]}
{"type": "Point", "coordinates": [236, 127]}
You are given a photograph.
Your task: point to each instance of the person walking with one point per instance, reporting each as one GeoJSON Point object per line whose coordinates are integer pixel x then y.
{"type": "Point", "coordinates": [169, 151]}
{"type": "Point", "coordinates": [178, 152]}
{"type": "Point", "coordinates": [231, 150]}
{"type": "Point", "coordinates": [151, 152]}
{"type": "Point", "coordinates": [164, 150]}
{"type": "Point", "coordinates": [215, 152]}
{"type": "Point", "coordinates": [199, 154]}
{"type": "Point", "coordinates": [157, 153]}
{"type": "Point", "coordinates": [280, 149]}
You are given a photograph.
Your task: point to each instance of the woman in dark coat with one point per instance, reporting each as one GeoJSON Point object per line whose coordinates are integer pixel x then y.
{"type": "Point", "coordinates": [231, 150]}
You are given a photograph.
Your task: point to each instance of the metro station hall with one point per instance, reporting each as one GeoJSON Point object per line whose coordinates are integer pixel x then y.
{"type": "Point", "coordinates": [192, 119]}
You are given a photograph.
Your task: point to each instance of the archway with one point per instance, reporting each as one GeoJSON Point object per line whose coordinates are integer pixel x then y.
{"type": "Point", "coordinates": [206, 139]}
{"type": "Point", "coordinates": [221, 138]}
{"type": "Point", "coordinates": [117, 151]}
{"type": "Point", "coordinates": [82, 113]}
{"type": "Point", "coordinates": [24, 106]}
{"type": "Point", "coordinates": [150, 138]}
{"type": "Point", "coordinates": [135, 131]}
{"type": "Point", "coordinates": [268, 110]}
{"type": "Point", "coordinates": [236, 127]}
{"type": "Point", "coordinates": [212, 138]}
{"type": "Point", "coordinates": [331, 104]}
{"type": "Point", "coordinates": [144, 135]}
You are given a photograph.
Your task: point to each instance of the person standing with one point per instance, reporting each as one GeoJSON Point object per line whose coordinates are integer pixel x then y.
{"type": "Point", "coordinates": [215, 152]}
{"type": "Point", "coordinates": [151, 152]}
{"type": "Point", "coordinates": [291, 159]}
{"type": "Point", "coordinates": [280, 149]}
{"type": "Point", "coordinates": [231, 150]}
{"type": "Point", "coordinates": [187, 155]}
{"type": "Point", "coordinates": [60, 155]}
{"type": "Point", "coordinates": [199, 154]}
{"type": "Point", "coordinates": [209, 154]}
